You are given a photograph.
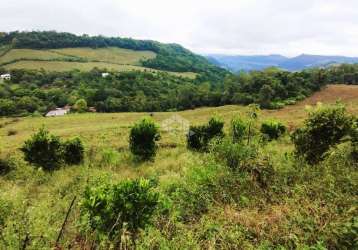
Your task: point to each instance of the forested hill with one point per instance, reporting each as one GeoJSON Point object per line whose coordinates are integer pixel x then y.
{"type": "Point", "coordinates": [169, 57]}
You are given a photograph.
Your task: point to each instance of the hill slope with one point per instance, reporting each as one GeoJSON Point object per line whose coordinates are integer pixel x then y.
{"type": "Point", "coordinates": [65, 47]}
{"type": "Point", "coordinates": [248, 63]}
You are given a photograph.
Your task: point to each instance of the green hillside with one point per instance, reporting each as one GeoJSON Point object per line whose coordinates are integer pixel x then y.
{"type": "Point", "coordinates": [66, 47]}
{"type": "Point", "coordinates": [84, 59]}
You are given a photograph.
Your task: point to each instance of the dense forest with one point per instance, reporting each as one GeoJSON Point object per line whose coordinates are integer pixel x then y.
{"type": "Point", "coordinates": [39, 91]}
{"type": "Point", "coordinates": [170, 57]}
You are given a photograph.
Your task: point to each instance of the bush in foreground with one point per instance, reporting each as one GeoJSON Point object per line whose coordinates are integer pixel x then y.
{"type": "Point", "coordinates": [43, 150]}
{"type": "Point", "coordinates": [49, 152]}
{"type": "Point", "coordinates": [142, 139]}
{"type": "Point", "coordinates": [112, 210]}
{"type": "Point", "coordinates": [5, 166]}
{"type": "Point", "coordinates": [239, 129]}
{"type": "Point", "coordinates": [199, 137]}
{"type": "Point", "coordinates": [324, 128]}
{"type": "Point", "coordinates": [73, 151]}
{"type": "Point", "coordinates": [272, 130]}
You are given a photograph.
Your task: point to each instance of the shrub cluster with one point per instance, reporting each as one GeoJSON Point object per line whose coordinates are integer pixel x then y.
{"type": "Point", "coordinates": [199, 137]}
{"type": "Point", "coordinates": [239, 129]}
{"type": "Point", "coordinates": [110, 210]}
{"type": "Point", "coordinates": [324, 128]}
{"type": "Point", "coordinates": [272, 130]}
{"type": "Point", "coordinates": [142, 139]}
{"type": "Point", "coordinates": [49, 152]}
{"type": "Point", "coordinates": [5, 166]}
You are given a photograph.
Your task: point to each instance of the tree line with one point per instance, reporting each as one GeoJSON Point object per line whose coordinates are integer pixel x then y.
{"type": "Point", "coordinates": [37, 91]}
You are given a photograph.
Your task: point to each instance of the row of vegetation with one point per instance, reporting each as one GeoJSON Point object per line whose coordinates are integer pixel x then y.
{"type": "Point", "coordinates": [237, 174]}
{"type": "Point", "coordinates": [39, 91]}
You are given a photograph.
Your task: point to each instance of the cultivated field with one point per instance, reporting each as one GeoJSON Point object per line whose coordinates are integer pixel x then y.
{"type": "Point", "coordinates": [110, 55]}
{"type": "Point", "coordinates": [28, 54]}
{"type": "Point", "coordinates": [84, 59]}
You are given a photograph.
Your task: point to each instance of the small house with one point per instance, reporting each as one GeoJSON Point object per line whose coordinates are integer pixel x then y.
{"type": "Point", "coordinates": [5, 77]}
{"type": "Point", "coordinates": [92, 109]}
{"type": "Point", "coordinates": [58, 112]}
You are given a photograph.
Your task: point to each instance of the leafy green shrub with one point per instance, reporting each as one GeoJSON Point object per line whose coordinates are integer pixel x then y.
{"type": "Point", "coordinates": [199, 137]}
{"type": "Point", "coordinates": [112, 209]}
{"type": "Point", "coordinates": [245, 158]}
{"type": "Point", "coordinates": [5, 166]}
{"type": "Point", "coordinates": [235, 155]}
{"type": "Point", "coordinates": [5, 211]}
{"type": "Point", "coordinates": [73, 151]}
{"type": "Point", "coordinates": [277, 105]}
{"type": "Point", "coordinates": [142, 139]}
{"type": "Point", "coordinates": [49, 152]}
{"type": "Point", "coordinates": [80, 106]}
{"type": "Point", "coordinates": [324, 128]}
{"type": "Point", "coordinates": [215, 128]}
{"type": "Point", "coordinates": [272, 129]}
{"type": "Point", "coordinates": [346, 234]}
{"type": "Point", "coordinates": [43, 150]}
{"type": "Point", "coordinates": [238, 129]}
{"type": "Point", "coordinates": [196, 138]}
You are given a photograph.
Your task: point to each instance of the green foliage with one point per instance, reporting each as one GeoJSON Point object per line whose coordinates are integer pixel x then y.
{"type": "Point", "coordinates": [49, 152]}
{"type": "Point", "coordinates": [73, 151]}
{"type": "Point", "coordinates": [5, 166]}
{"type": "Point", "coordinates": [324, 128]}
{"type": "Point", "coordinates": [172, 57]}
{"type": "Point", "coordinates": [272, 129]}
{"type": "Point", "coordinates": [236, 156]}
{"type": "Point", "coordinates": [215, 128]}
{"type": "Point", "coordinates": [43, 150]}
{"type": "Point", "coordinates": [239, 129]}
{"type": "Point", "coordinates": [354, 140]}
{"type": "Point", "coordinates": [112, 209]}
{"type": "Point", "coordinates": [5, 211]}
{"type": "Point", "coordinates": [80, 106]}
{"type": "Point", "coordinates": [346, 234]}
{"type": "Point", "coordinates": [198, 137]}
{"type": "Point", "coordinates": [142, 139]}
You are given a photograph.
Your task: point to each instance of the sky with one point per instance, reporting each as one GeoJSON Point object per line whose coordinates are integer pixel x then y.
{"type": "Point", "coordinates": [248, 27]}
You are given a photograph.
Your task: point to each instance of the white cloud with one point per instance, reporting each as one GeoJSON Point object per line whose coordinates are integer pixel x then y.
{"type": "Point", "coordinates": [225, 26]}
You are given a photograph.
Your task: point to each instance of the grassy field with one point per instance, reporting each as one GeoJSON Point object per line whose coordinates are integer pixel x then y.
{"type": "Point", "coordinates": [46, 196]}
{"type": "Point", "coordinates": [84, 66]}
{"type": "Point", "coordinates": [60, 59]}
{"type": "Point", "coordinates": [110, 55]}
{"type": "Point", "coordinates": [90, 126]}
{"type": "Point", "coordinates": [28, 54]}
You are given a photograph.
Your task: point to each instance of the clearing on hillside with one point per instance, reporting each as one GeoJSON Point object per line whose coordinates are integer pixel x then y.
{"type": "Point", "coordinates": [60, 66]}
{"type": "Point", "coordinates": [111, 55]}
{"type": "Point", "coordinates": [28, 54]}
{"type": "Point", "coordinates": [347, 94]}
{"type": "Point", "coordinates": [84, 59]}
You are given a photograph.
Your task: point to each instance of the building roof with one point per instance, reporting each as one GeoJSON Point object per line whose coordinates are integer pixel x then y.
{"type": "Point", "coordinates": [57, 112]}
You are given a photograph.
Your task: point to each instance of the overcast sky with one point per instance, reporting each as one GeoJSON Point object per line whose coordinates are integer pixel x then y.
{"type": "Point", "coordinates": [288, 27]}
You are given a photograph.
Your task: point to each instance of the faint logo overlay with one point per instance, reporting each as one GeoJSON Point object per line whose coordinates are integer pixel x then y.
{"type": "Point", "coordinates": [176, 125]}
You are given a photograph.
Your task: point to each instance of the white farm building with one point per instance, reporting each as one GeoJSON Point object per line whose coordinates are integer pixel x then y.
{"type": "Point", "coordinates": [57, 112]}
{"type": "Point", "coordinates": [5, 77]}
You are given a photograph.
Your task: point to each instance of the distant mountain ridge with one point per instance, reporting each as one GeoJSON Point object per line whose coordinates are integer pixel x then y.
{"type": "Point", "coordinates": [237, 63]}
